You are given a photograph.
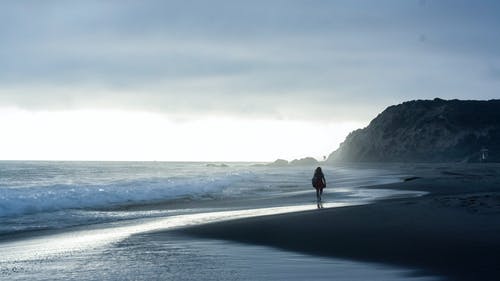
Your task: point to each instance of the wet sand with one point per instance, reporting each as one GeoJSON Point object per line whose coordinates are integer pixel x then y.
{"type": "Point", "coordinates": [452, 232]}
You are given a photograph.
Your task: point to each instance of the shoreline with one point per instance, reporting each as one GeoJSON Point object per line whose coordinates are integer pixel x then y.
{"type": "Point", "coordinates": [451, 232]}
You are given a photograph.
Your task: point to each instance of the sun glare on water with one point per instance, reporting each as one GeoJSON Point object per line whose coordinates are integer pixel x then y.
{"type": "Point", "coordinates": [40, 247]}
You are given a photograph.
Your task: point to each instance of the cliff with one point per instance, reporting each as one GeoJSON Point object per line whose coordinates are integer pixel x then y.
{"type": "Point", "coordinates": [427, 131]}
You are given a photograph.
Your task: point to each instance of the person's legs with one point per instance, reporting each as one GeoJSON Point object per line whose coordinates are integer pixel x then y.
{"type": "Point", "coordinates": [319, 192]}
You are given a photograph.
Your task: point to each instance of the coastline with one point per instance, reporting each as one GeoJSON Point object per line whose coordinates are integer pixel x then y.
{"type": "Point", "coordinates": [451, 232]}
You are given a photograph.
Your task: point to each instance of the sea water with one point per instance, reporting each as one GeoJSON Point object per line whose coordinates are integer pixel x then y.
{"type": "Point", "coordinates": [71, 220]}
{"type": "Point", "coordinates": [52, 195]}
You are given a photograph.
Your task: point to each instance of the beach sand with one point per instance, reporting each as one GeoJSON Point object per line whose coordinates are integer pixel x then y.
{"type": "Point", "coordinates": [452, 232]}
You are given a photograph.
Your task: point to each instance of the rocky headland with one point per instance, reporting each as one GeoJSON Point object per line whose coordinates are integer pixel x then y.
{"type": "Point", "coordinates": [427, 131]}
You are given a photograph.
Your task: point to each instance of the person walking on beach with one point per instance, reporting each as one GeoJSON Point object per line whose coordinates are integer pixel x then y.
{"type": "Point", "coordinates": [318, 182]}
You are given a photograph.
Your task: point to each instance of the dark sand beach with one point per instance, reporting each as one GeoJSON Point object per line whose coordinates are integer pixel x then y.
{"type": "Point", "coordinates": [452, 232]}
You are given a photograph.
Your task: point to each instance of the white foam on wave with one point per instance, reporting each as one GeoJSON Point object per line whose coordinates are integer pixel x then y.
{"type": "Point", "coordinates": [36, 199]}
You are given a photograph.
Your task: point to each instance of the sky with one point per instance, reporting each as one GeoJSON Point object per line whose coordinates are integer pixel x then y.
{"type": "Point", "coordinates": [228, 80]}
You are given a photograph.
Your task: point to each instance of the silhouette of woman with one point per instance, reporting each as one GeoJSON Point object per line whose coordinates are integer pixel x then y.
{"type": "Point", "coordinates": [318, 182]}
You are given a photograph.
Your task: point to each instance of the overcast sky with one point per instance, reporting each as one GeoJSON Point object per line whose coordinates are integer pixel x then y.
{"type": "Point", "coordinates": [314, 61]}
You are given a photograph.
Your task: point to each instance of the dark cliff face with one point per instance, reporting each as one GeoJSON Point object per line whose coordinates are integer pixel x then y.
{"type": "Point", "coordinates": [427, 131]}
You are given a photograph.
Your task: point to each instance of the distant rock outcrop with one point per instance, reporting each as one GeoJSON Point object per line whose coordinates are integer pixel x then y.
{"type": "Point", "coordinates": [308, 161]}
{"type": "Point", "coordinates": [427, 131]}
{"type": "Point", "coordinates": [279, 163]}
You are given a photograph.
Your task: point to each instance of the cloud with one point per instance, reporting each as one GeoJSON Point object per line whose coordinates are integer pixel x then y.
{"type": "Point", "coordinates": [281, 59]}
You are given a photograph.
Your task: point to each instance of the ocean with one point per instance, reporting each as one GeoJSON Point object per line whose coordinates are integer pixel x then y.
{"type": "Point", "coordinates": [79, 220]}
